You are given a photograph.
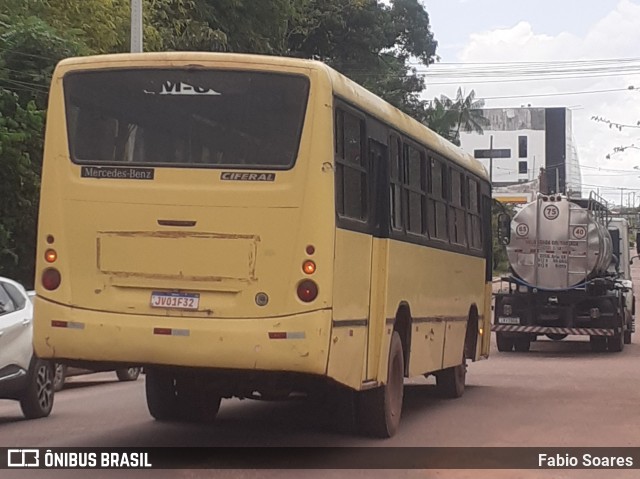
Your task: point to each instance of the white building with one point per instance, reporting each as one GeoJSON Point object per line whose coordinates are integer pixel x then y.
{"type": "Point", "coordinates": [520, 141]}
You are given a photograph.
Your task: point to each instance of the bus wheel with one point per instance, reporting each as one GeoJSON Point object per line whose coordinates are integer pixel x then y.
{"type": "Point", "coordinates": [615, 344]}
{"type": "Point", "coordinates": [504, 343]}
{"type": "Point", "coordinates": [522, 344]}
{"type": "Point", "coordinates": [195, 402]}
{"type": "Point", "coordinates": [450, 381]}
{"type": "Point", "coordinates": [379, 409]}
{"type": "Point", "coordinates": [598, 343]}
{"type": "Point", "coordinates": [162, 400]}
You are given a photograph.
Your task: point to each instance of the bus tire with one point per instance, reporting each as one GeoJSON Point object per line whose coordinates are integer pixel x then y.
{"type": "Point", "coordinates": [504, 343]}
{"type": "Point", "coordinates": [195, 403]}
{"type": "Point", "coordinates": [379, 409]}
{"type": "Point", "coordinates": [615, 343]}
{"type": "Point", "coordinates": [162, 399]}
{"type": "Point", "coordinates": [598, 344]}
{"type": "Point", "coordinates": [450, 382]}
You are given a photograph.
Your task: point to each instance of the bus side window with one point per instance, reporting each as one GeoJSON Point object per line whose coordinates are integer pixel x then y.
{"type": "Point", "coordinates": [351, 167]}
{"type": "Point", "coordinates": [457, 209]}
{"type": "Point", "coordinates": [437, 200]}
{"type": "Point", "coordinates": [395, 184]}
{"type": "Point", "coordinates": [474, 223]}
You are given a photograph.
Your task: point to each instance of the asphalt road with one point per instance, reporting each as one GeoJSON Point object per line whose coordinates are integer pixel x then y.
{"type": "Point", "coordinates": [558, 395]}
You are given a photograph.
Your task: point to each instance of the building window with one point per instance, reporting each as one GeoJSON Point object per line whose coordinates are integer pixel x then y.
{"type": "Point", "coordinates": [522, 147]}
{"type": "Point", "coordinates": [522, 167]}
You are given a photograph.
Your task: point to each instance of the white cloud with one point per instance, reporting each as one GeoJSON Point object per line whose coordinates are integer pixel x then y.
{"type": "Point", "coordinates": [615, 36]}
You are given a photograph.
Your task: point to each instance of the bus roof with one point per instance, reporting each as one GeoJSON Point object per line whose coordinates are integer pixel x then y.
{"type": "Point", "coordinates": [343, 87]}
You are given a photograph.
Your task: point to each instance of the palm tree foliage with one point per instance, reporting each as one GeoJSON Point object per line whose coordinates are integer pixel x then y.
{"type": "Point", "coordinates": [448, 117]}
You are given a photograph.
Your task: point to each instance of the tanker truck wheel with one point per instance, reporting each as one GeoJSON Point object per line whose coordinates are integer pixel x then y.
{"type": "Point", "coordinates": [598, 344]}
{"type": "Point", "coordinates": [627, 327]}
{"type": "Point", "coordinates": [522, 344]}
{"type": "Point", "coordinates": [505, 343]}
{"type": "Point", "coordinates": [615, 344]}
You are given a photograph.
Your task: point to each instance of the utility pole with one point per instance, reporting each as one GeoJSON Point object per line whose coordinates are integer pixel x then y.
{"type": "Point", "coordinates": [136, 26]}
{"type": "Point", "coordinates": [491, 161]}
{"type": "Point", "coordinates": [621, 199]}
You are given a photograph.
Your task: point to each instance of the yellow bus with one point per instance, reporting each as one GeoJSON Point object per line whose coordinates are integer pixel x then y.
{"type": "Point", "coordinates": [254, 226]}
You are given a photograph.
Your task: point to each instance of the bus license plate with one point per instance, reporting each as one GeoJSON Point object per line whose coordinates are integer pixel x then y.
{"type": "Point", "coordinates": [508, 320]}
{"type": "Point", "coordinates": [189, 301]}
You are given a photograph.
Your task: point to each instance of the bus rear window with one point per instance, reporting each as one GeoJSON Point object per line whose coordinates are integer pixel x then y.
{"type": "Point", "coordinates": [185, 117]}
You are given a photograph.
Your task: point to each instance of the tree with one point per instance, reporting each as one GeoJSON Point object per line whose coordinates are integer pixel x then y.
{"type": "Point", "coordinates": [20, 165]}
{"type": "Point", "coordinates": [31, 50]}
{"type": "Point", "coordinates": [370, 42]}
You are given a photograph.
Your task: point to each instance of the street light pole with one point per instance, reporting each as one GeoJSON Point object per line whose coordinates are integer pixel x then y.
{"type": "Point", "coordinates": [136, 26]}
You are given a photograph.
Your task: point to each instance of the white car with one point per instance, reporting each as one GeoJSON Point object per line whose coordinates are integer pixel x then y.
{"type": "Point", "coordinates": [23, 376]}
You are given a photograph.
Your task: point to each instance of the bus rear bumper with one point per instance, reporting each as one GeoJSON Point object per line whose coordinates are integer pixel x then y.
{"type": "Point", "coordinates": [297, 343]}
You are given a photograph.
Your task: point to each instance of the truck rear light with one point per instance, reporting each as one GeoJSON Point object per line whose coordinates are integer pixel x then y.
{"type": "Point", "coordinates": [307, 290]}
{"type": "Point", "coordinates": [51, 279]}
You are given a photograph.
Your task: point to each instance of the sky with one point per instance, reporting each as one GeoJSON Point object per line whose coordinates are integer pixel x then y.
{"type": "Point", "coordinates": [597, 41]}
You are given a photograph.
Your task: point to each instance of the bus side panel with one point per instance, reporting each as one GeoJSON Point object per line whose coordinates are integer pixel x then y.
{"type": "Point", "coordinates": [454, 343]}
{"type": "Point", "coordinates": [377, 307]}
{"type": "Point", "coordinates": [426, 347]}
{"type": "Point", "coordinates": [351, 286]}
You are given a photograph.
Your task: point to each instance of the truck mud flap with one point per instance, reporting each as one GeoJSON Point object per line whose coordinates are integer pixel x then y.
{"type": "Point", "coordinates": [508, 328]}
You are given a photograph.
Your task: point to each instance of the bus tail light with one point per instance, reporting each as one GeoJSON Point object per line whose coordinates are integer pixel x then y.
{"type": "Point", "coordinates": [309, 267]}
{"type": "Point", "coordinates": [51, 279]}
{"type": "Point", "coordinates": [50, 256]}
{"type": "Point", "coordinates": [307, 290]}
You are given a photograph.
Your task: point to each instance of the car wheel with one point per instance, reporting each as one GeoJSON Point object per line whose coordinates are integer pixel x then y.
{"type": "Point", "coordinates": [128, 374]}
{"type": "Point", "coordinates": [59, 375]}
{"type": "Point", "coordinates": [37, 399]}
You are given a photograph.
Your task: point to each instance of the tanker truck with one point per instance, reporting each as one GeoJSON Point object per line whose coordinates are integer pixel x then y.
{"type": "Point", "coordinates": [569, 274]}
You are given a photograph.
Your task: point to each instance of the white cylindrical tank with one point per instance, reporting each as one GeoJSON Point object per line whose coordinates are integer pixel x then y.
{"type": "Point", "coordinates": [558, 244]}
